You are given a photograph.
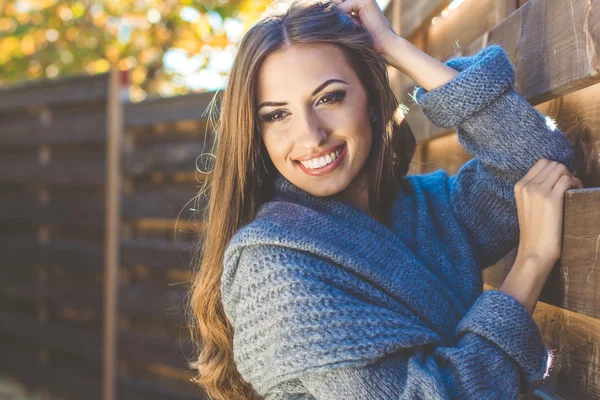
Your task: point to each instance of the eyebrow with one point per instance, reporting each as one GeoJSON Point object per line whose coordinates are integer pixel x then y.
{"type": "Point", "coordinates": [317, 90]}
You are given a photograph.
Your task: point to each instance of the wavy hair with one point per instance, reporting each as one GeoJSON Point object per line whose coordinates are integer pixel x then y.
{"type": "Point", "coordinates": [242, 174]}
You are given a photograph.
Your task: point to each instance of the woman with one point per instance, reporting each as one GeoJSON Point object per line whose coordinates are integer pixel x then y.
{"type": "Point", "coordinates": [326, 271]}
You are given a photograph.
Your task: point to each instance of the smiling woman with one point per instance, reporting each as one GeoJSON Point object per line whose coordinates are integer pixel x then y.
{"type": "Point", "coordinates": [311, 124]}
{"type": "Point", "coordinates": [325, 272]}
{"type": "Point", "coordinates": [308, 99]}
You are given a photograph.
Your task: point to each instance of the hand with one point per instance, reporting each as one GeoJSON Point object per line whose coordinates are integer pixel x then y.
{"type": "Point", "coordinates": [540, 196]}
{"type": "Point", "coordinates": [367, 14]}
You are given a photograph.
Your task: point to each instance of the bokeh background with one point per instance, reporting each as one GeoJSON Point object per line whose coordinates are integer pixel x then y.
{"type": "Point", "coordinates": [169, 47]}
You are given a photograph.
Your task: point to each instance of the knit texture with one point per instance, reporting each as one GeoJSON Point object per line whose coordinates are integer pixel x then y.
{"type": "Point", "coordinates": [327, 303]}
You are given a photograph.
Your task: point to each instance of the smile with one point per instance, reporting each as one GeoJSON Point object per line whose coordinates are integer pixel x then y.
{"type": "Point", "coordinates": [323, 165]}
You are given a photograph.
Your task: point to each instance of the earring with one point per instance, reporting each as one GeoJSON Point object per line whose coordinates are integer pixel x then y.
{"type": "Point", "coordinates": [374, 118]}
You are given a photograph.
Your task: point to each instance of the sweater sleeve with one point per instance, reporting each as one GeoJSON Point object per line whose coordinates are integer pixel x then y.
{"type": "Point", "coordinates": [299, 331]}
{"type": "Point", "coordinates": [499, 354]}
{"type": "Point", "coordinates": [506, 136]}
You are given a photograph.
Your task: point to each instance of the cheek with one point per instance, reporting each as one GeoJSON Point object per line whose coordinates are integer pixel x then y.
{"type": "Point", "coordinates": [279, 150]}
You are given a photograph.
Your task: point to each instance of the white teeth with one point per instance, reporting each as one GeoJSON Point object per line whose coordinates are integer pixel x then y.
{"type": "Point", "coordinates": [321, 161]}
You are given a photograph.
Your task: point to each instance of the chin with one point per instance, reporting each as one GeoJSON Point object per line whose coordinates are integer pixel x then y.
{"type": "Point", "coordinates": [324, 188]}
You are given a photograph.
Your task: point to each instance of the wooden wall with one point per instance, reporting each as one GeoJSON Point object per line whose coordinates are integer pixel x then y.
{"type": "Point", "coordinates": [553, 46]}
{"type": "Point", "coordinates": [53, 219]}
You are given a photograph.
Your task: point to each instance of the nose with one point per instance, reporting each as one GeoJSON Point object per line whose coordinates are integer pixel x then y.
{"type": "Point", "coordinates": [311, 132]}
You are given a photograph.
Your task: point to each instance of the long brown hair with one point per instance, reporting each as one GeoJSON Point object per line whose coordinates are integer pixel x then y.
{"type": "Point", "coordinates": [242, 174]}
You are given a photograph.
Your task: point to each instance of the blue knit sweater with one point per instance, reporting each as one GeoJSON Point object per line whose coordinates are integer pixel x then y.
{"type": "Point", "coordinates": [327, 303]}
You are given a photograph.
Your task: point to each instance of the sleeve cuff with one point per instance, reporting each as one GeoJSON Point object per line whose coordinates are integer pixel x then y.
{"type": "Point", "coordinates": [483, 78]}
{"type": "Point", "coordinates": [502, 320]}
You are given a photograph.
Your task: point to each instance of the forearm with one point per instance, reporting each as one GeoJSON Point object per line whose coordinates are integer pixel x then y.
{"type": "Point", "coordinates": [525, 281]}
{"type": "Point", "coordinates": [425, 70]}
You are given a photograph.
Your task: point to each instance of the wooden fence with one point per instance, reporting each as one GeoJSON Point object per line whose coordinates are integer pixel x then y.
{"type": "Point", "coordinates": [58, 224]}
{"type": "Point", "coordinates": [553, 45]}
{"type": "Point", "coordinates": [56, 138]}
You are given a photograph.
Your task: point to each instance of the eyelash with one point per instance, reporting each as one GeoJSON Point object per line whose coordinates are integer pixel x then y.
{"type": "Point", "coordinates": [338, 96]}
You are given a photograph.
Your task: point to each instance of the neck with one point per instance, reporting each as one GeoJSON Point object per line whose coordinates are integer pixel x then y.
{"type": "Point", "coordinates": [357, 193]}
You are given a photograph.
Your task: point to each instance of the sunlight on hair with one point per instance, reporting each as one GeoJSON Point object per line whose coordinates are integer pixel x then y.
{"type": "Point", "coordinates": [280, 6]}
{"type": "Point", "coordinates": [551, 123]}
{"type": "Point", "coordinates": [401, 111]}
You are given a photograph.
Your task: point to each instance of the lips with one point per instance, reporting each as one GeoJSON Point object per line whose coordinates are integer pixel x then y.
{"type": "Point", "coordinates": [321, 153]}
{"type": "Point", "coordinates": [326, 169]}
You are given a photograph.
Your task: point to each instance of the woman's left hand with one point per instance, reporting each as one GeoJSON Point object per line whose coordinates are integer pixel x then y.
{"type": "Point", "coordinates": [368, 15]}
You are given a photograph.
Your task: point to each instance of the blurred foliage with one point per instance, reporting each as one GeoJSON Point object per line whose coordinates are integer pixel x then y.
{"type": "Point", "coordinates": [42, 39]}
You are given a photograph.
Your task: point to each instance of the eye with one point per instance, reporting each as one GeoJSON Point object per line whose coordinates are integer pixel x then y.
{"type": "Point", "coordinates": [269, 117]}
{"type": "Point", "coordinates": [335, 96]}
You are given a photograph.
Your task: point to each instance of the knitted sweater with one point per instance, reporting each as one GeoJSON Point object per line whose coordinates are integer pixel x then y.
{"type": "Point", "coordinates": [327, 303]}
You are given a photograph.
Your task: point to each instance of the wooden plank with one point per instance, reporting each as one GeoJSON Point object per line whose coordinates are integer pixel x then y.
{"type": "Point", "coordinates": [70, 90]}
{"type": "Point", "coordinates": [112, 235]}
{"type": "Point", "coordinates": [461, 26]}
{"type": "Point", "coordinates": [77, 342]}
{"type": "Point", "coordinates": [164, 377]}
{"type": "Point", "coordinates": [156, 300]}
{"type": "Point", "coordinates": [87, 256]}
{"type": "Point", "coordinates": [74, 123]}
{"type": "Point", "coordinates": [445, 152]}
{"type": "Point", "coordinates": [64, 172]}
{"type": "Point", "coordinates": [81, 210]}
{"type": "Point", "coordinates": [506, 7]}
{"type": "Point", "coordinates": [169, 158]}
{"type": "Point", "coordinates": [156, 253]}
{"type": "Point", "coordinates": [415, 14]}
{"type": "Point", "coordinates": [574, 283]}
{"type": "Point", "coordinates": [580, 261]}
{"type": "Point", "coordinates": [575, 338]}
{"type": "Point", "coordinates": [87, 345]}
{"type": "Point", "coordinates": [578, 117]}
{"type": "Point", "coordinates": [20, 250]}
{"type": "Point", "coordinates": [153, 350]}
{"type": "Point", "coordinates": [187, 107]}
{"type": "Point", "coordinates": [165, 202]}
{"type": "Point", "coordinates": [137, 389]}
{"type": "Point", "coordinates": [74, 385]}
{"type": "Point", "coordinates": [552, 46]}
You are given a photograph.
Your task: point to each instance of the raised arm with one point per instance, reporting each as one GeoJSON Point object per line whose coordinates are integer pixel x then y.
{"type": "Point", "coordinates": [506, 136]}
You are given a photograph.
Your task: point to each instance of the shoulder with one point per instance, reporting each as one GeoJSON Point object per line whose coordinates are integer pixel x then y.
{"type": "Point", "coordinates": [255, 272]}
{"type": "Point", "coordinates": [427, 180]}
{"type": "Point", "coordinates": [432, 188]}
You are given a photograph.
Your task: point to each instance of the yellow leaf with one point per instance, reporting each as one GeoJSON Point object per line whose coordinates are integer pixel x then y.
{"type": "Point", "coordinates": [9, 45]}
{"type": "Point", "coordinates": [28, 45]}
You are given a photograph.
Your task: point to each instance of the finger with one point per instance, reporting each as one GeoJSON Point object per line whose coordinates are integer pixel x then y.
{"type": "Point", "coordinates": [349, 6]}
{"type": "Point", "coordinates": [553, 175]}
{"type": "Point", "coordinates": [562, 185]}
{"type": "Point", "coordinates": [534, 170]}
{"type": "Point", "coordinates": [545, 173]}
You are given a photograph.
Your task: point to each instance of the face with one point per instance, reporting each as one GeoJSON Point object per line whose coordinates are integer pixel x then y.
{"type": "Point", "coordinates": [311, 104]}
